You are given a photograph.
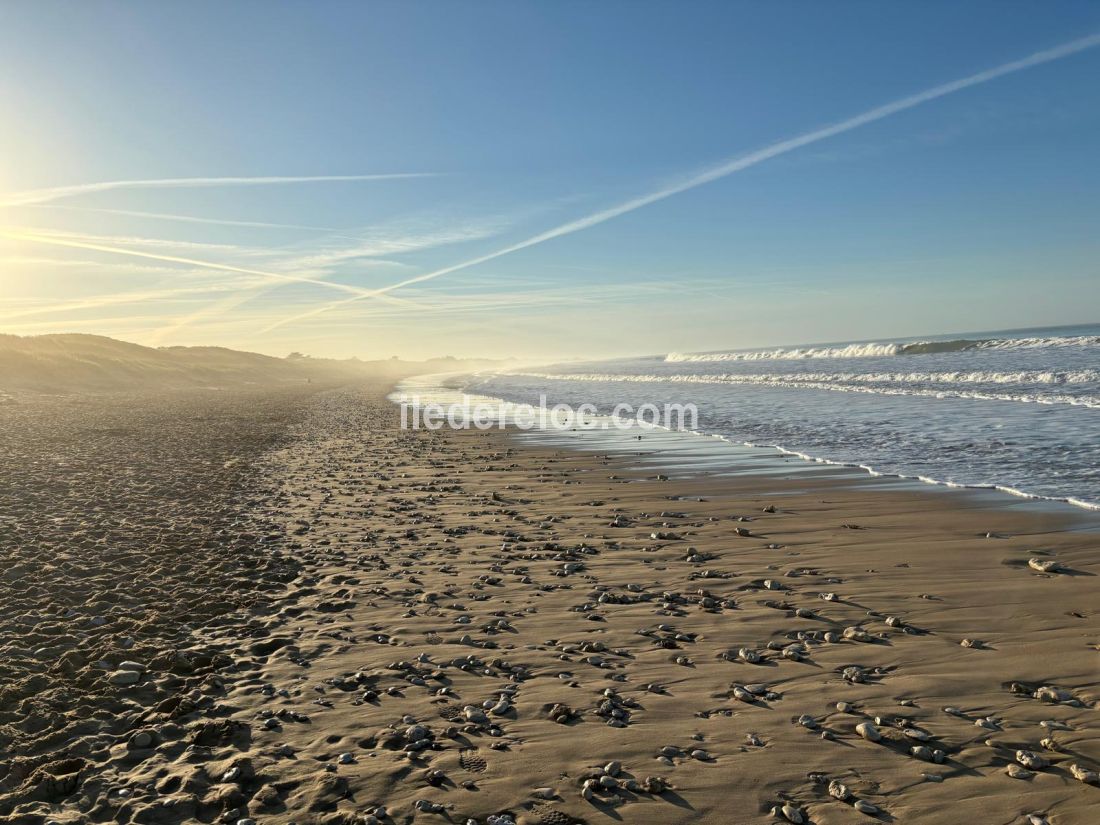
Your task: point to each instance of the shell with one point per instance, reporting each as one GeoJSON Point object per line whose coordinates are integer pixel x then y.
{"type": "Point", "coordinates": [1045, 565]}
{"type": "Point", "coordinates": [1084, 774]}
{"type": "Point", "coordinates": [1031, 760]}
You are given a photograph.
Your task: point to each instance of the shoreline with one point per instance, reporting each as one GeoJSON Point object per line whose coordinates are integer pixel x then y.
{"type": "Point", "coordinates": [737, 453]}
{"type": "Point", "coordinates": [476, 626]}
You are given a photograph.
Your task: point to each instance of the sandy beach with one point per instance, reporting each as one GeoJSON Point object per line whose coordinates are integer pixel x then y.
{"type": "Point", "coordinates": [277, 606]}
{"type": "Point", "coordinates": [542, 413]}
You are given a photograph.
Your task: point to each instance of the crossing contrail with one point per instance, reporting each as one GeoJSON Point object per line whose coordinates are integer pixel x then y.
{"type": "Point", "coordinates": [738, 164]}
{"type": "Point", "coordinates": [277, 276]}
{"type": "Point", "coordinates": [34, 196]}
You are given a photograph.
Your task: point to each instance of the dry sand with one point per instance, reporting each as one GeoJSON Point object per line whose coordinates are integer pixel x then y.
{"type": "Point", "coordinates": [334, 619]}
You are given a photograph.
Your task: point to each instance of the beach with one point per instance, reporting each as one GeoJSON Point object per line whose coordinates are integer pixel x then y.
{"type": "Point", "coordinates": [527, 413]}
{"type": "Point", "coordinates": [299, 612]}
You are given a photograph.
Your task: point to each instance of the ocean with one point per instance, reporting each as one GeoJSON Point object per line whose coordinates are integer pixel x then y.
{"type": "Point", "coordinates": [1014, 410]}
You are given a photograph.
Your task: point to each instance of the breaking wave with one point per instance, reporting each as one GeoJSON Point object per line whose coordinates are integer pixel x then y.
{"type": "Point", "coordinates": [864, 383]}
{"type": "Point", "coordinates": [879, 350]}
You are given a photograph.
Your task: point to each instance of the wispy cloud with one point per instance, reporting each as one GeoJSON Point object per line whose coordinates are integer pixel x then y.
{"type": "Point", "coordinates": [331, 254]}
{"type": "Point", "coordinates": [58, 192]}
{"type": "Point", "coordinates": [735, 165]}
{"type": "Point", "coordinates": [311, 262]}
{"type": "Point", "coordinates": [393, 240]}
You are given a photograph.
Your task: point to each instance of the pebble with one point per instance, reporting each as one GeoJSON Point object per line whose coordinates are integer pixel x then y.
{"type": "Point", "coordinates": [1017, 772]}
{"type": "Point", "coordinates": [868, 732]}
{"type": "Point", "coordinates": [791, 813]}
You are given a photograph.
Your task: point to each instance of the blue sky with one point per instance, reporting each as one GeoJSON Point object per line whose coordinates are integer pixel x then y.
{"type": "Point", "coordinates": [515, 152]}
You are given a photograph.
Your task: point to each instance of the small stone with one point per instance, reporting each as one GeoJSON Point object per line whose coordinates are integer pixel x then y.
{"type": "Point", "coordinates": [791, 813]}
{"type": "Point", "coordinates": [868, 732]}
{"type": "Point", "coordinates": [1016, 772]}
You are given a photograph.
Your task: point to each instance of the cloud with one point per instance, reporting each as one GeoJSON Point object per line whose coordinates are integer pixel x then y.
{"type": "Point", "coordinates": [392, 240]}
{"type": "Point", "coordinates": [57, 192]}
{"type": "Point", "coordinates": [311, 263]}
{"type": "Point", "coordinates": [735, 165]}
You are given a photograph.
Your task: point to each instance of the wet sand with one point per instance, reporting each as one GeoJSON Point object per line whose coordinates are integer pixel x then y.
{"type": "Point", "coordinates": [401, 626]}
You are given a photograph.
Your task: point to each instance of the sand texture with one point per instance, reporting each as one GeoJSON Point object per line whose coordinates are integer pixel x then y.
{"type": "Point", "coordinates": [326, 619]}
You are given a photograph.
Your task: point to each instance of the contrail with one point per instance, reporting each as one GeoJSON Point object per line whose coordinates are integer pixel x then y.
{"type": "Point", "coordinates": [57, 192]}
{"type": "Point", "coordinates": [278, 276]}
{"type": "Point", "coordinates": [115, 299]}
{"type": "Point", "coordinates": [744, 162]}
{"type": "Point", "coordinates": [160, 216]}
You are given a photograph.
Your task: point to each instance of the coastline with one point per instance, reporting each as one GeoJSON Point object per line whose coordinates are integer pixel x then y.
{"type": "Point", "coordinates": [477, 623]}
{"type": "Point", "coordinates": [696, 451]}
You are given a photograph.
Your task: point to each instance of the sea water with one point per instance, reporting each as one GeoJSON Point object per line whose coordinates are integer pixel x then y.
{"type": "Point", "coordinates": [1015, 410]}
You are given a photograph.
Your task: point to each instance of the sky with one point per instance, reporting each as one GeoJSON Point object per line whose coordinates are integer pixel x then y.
{"type": "Point", "coordinates": [546, 179]}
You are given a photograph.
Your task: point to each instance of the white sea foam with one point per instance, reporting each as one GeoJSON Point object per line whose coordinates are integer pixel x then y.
{"type": "Point", "coordinates": [857, 383]}
{"type": "Point", "coordinates": [1056, 377]}
{"type": "Point", "coordinates": [1013, 414]}
{"type": "Point", "coordinates": [880, 350]}
{"type": "Point", "coordinates": [431, 389]}
{"type": "Point", "coordinates": [850, 351]}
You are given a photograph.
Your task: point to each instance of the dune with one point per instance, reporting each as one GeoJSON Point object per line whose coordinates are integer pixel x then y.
{"type": "Point", "coordinates": [66, 363]}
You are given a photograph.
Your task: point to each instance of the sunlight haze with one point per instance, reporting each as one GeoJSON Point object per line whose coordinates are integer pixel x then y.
{"type": "Point", "coordinates": [472, 179]}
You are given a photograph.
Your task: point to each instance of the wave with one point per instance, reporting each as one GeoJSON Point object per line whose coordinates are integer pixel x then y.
{"type": "Point", "coordinates": [880, 350]}
{"type": "Point", "coordinates": [858, 383]}
{"type": "Point", "coordinates": [954, 377]}
{"type": "Point", "coordinates": [424, 391]}
{"type": "Point", "coordinates": [850, 351]}
{"type": "Point", "coordinates": [925, 479]}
